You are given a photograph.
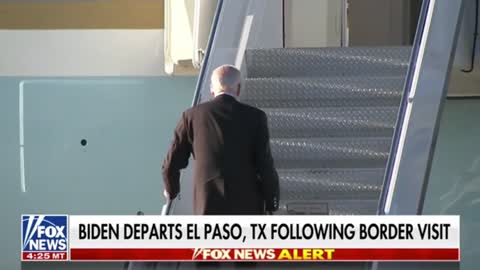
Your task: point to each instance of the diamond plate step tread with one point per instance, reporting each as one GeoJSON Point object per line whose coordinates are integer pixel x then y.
{"type": "Point", "coordinates": [323, 92]}
{"type": "Point", "coordinates": [331, 122]}
{"type": "Point", "coordinates": [329, 207]}
{"type": "Point", "coordinates": [330, 184]}
{"type": "Point", "coordinates": [333, 61]}
{"type": "Point", "coordinates": [330, 152]}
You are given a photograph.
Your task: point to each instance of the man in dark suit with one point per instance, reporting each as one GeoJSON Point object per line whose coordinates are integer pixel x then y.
{"type": "Point", "coordinates": [234, 172]}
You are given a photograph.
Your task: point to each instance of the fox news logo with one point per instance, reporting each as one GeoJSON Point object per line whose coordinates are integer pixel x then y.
{"type": "Point", "coordinates": [42, 233]}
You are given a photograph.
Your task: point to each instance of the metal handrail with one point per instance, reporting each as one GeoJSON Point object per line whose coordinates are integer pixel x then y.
{"type": "Point", "coordinates": [166, 209]}
{"type": "Point", "coordinates": [203, 70]}
{"type": "Point", "coordinates": [403, 107]}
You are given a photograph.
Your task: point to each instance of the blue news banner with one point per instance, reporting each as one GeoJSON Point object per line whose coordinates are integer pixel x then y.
{"type": "Point", "coordinates": [44, 238]}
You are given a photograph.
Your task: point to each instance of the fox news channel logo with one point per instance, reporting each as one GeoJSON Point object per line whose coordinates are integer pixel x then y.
{"type": "Point", "coordinates": [44, 237]}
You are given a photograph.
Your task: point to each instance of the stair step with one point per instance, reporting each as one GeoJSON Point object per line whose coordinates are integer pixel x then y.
{"type": "Point", "coordinates": [330, 152]}
{"type": "Point", "coordinates": [358, 61]}
{"type": "Point", "coordinates": [330, 184]}
{"type": "Point", "coordinates": [323, 92]}
{"type": "Point", "coordinates": [329, 207]}
{"type": "Point", "coordinates": [331, 122]}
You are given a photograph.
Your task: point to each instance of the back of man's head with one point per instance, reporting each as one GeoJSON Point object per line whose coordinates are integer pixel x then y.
{"type": "Point", "coordinates": [225, 79]}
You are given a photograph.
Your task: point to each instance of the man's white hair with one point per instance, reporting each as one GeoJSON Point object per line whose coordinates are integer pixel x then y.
{"type": "Point", "coordinates": [225, 78]}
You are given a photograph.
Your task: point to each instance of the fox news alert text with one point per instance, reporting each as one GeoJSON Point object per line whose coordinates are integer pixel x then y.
{"type": "Point", "coordinates": [240, 238]}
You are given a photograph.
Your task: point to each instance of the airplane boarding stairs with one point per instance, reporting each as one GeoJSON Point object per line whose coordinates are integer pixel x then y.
{"type": "Point", "coordinates": [331, 114]}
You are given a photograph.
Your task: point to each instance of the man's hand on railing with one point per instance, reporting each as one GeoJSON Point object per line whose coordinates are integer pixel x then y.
{"type": "Point", "coordinates": [166, 194]}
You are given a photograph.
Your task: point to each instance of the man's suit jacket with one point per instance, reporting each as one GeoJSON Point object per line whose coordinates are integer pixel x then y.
{"type": "Point", "coordinates": [234, 171]}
